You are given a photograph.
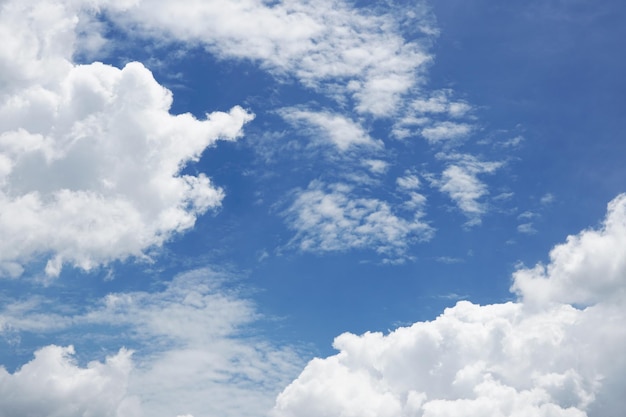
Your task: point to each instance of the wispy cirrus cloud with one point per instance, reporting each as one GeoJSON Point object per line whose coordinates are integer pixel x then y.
{"type": "Point", "coordinates": [328, 46]}
{"type": "Point", "coordinates": [192, 354]}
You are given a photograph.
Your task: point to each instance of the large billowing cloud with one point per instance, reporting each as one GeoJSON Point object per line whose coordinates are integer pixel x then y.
{"type": "Point", "coordinates": [540, 356]}
{"type": "Point", "coordinates": [90, 157]}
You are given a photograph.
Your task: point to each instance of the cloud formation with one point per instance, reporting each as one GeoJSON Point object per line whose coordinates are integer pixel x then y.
{"type": "Point", "coordinates": [52, 384]}
{"type": "Point", "coordinates": [539, 356]}
{"type": "Point", "coordinates": [342, 132]}
{"type": "Point", "coordinates": [328, 218]}
{"type": "Point", "coordinates": [589, 268]}
{"type": "Point", "coordinates": [328, 46]}
{"type": "Point", "coordinates": [192, 354]}
{"type": "Point", "coordinates": [460, 181]}
{"type": "Point", "coordinates": [90, 157]}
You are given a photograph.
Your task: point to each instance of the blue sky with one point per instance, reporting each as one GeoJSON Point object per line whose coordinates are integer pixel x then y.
{"type": "Point", "coordinates": [197, 200]}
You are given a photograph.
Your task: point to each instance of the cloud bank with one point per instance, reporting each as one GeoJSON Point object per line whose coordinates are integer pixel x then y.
{"type": "Point", "coordinates": [539, 356]}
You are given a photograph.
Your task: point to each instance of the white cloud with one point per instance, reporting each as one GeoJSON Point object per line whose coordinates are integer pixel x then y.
{"type": "Point", "coordinates": [210, 366]}
{"type": "Point", "coordinates": [355, 56]}
{"type": "Point", "coordinates": [473, 360]}
{"type": "Point", "coordinates": [460, 181]}
{"type": "Point", "coordinates": [342, 132]}
{"type": "Point", "coordinates": [446, 131]}
{"type": "Point", "coordinates": [408, 182]}
{"type": "Point", "coordinates": [440, 102]}
{"type": "Point", "coordinates": [422, 114]}
{"type": "Point", "coordinates": [465, 189]}
{"type": "Point", "coordinates": [547, 198]}
{"type": "Point", "coordinates": [511, 143]}
{"type": "Point", "coordinates": [327, 45]}
{"type": "Point", "coordinates": [376, 166]}
{"type": "Point", "coordinates": [588, 268]}
{"type": "Point", "coordinates": [329, 218]}
{"type": "Point", "coordinates": [53, 385]}
{"type": "Point", "coordinates": [527, 215]}
{"type": "Point", "coordinates": [192, 353]}
{"type": "Point", "coordinates": [90, 156]}
{"type": "Point", "coordinates": [503, 196]}
{"type": "Point", "coordinates": [449, 260]}
{"type": "Point", "coordinates": [527, 228]}
{"type": "Point", "coordinates": [416, 201]}
{"type": "Point", "coordinates": [539, 356]}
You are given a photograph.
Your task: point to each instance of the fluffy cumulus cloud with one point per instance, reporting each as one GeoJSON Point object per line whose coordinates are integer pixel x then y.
{"type": "Point", "coordinates": [540, 356]}
{"type": "Point", "coordinates": [90, 157]}
{"type": "Point", "coordinates": [589, 268]}
{"type": "Point", "coordinates": [190, 355]}
{"type": "Point", "coordinates": [52, 384]}
{"type": "Point", "coordinates": [328, 218]}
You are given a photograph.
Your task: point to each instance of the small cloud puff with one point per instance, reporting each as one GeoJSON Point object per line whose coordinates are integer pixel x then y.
{"type": "Point", "coordinates": [408, 182]}
{"type": "Point", "coordinates": [547, 198]}
{"type": "Point", "coordinates": [526, 228]}
{"type": "Point", "coordinates": [446, 131]}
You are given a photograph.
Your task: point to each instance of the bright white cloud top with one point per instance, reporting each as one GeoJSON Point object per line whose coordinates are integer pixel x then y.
{"type": "Point", "coordinates": [289, 171]}
{"type": "Point", "coordinates": [539, 356]}
{"type": "Point", "coordinates": [93, 148]}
